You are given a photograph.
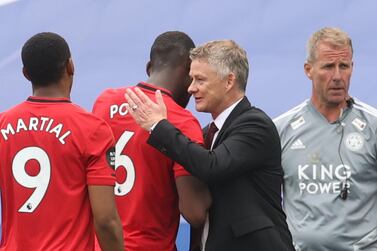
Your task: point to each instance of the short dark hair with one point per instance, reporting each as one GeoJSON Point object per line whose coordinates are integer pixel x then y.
{"type": "Point", "coordinates": [170, 48]}
{"type": "Point", "coordinates": [45, 56]}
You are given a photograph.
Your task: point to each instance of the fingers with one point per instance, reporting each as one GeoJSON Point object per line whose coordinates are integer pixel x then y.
{"type": "Point", "coordinates": [141, 95]}
{"type": "Point", "coordinates": [133, 98]}
{"type": "Point", "coordinates": [130, 102]}
{"type": "Point", "coordinates": [159, 98]}
{"type": "Point", "coordinates": [129, 105]}
{"type": "Point", "coordinates": [136, 107]}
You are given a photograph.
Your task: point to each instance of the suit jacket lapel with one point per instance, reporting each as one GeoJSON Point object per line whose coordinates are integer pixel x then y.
{"type": "Point", "coordinates": [239, 109]}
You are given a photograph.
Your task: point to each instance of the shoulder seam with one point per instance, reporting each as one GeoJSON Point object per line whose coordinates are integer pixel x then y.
{"type": "Point", "coordinates": [294, 110]}
{"type": "Point", "coordinates": [366, 108]}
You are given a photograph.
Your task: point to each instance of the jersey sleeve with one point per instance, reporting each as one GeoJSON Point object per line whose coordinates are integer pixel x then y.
{"type": "Point", "coordinates": [101, 156]}
{"type": "Point", "coordinates": [190, 128]}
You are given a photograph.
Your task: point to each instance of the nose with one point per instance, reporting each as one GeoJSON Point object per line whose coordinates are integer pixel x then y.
{"type": "Point", "coordinates": [337, 74]}
{"type": "Point", "coordinates": [192, 88]}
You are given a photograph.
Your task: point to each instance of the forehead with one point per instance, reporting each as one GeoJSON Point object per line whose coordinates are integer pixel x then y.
{"type": "Point", "coordinates": [327, 51]}
{"type": "Point", "coordinates": [201, 66]}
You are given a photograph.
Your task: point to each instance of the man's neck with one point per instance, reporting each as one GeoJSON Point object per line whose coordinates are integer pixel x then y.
{"type": "Point", "coordinates": [162, 78]}
{"type": "Point", "coordinates": [155, 81]}
{"type": "Point", "coordinates": [226, 105]}
{"type": "Point", "coordinates": [330, 112]}
{"type": "Point", "coordinates": [52, 91]}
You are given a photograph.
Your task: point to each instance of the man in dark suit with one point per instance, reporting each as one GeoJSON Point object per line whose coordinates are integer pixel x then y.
{"type": "Point", "coordinates": [242, 164]}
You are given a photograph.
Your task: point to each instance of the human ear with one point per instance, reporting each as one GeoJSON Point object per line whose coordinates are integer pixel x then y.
{"type": "Point", "coordinates": [308, 70]}
{"type": "Point", "coordinates": [230, 81]}
{"type": "Point", "coordinates": [148, 68]}
{"type": "Point", "coordinates": [70, 67]}
{"type": "Point", "coordinates": [26, 74]}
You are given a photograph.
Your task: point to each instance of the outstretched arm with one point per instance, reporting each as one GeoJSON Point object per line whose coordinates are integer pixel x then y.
{"type": "Point", "coordinates": [194, 196]}
{"type": "Point", "coordinates": [251, 141]}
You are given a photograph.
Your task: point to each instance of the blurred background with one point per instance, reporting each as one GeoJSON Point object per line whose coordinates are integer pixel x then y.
{"type": "Point", "coordinates": [110, 42]}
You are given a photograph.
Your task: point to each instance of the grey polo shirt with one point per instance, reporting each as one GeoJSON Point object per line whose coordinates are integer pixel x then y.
{"type": "Point", "coordinates": [318, 157]}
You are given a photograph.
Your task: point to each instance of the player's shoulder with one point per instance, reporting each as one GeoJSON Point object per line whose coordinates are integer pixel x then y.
{"type": "Point", "coordinates": [84, 117]}
{"type": "Point", "coordinates": [367, 113]}
{"type": "Point", "coordinates": [111, 93]}
{"type": "Point", "coordinates": [291, 115]}
{"type": "Point", "coordinates": [179, 115]}
{"type": "Point", "coordinates": [14, 111]}
{"type": "Point", "coordinates": [365, 109]}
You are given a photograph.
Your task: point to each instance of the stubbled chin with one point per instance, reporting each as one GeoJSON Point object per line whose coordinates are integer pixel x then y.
{"type": "Point", "coordinates": [341, 94]}
{"type": "Point", "coordinates": [337, 99]}
{"type": "Point", "coordinates": [199, 106]}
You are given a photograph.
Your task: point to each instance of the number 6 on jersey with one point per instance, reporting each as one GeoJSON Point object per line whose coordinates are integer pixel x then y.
{"type": "Point", "coordinates": [126, 162]}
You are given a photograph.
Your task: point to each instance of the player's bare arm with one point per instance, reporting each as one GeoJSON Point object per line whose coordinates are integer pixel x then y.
{"type": "Point", "coordinates": [106, 219]}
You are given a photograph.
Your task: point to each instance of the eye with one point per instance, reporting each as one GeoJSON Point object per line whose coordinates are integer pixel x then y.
{"type": "Point", "coordinates": [328, 66]}
{"type": "Point", "coordinates": [344, 66]}
{"type": "Point", "coordinates": [199, 80]}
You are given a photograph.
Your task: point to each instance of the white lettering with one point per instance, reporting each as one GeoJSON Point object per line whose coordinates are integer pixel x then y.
{"type": "Point", "coordinates": [49, 125]}
{"type": "Point", "coordinates": [312, 188]}
{"type": "Point", "coordinates": [21, 125]}
{"type": "Point", "coordinates": [61, 139]}
{"type": "Point", "coordinates": [114, 109]}
{"type": "Point", "coordinates": [33, 126]}
{"type": "Point", "coordinates": [122, 109]}
{"type": "Point", "coordinates": [342, 172]}
{"type": "Point", "coordinates": [57, 130]}
{"type": "Point", "coordinates": [322, 172]}
{"type": "Point", "coordinates": [336, 187]}
{"type": "Point", "coordinates": [302, 187]}
{"type": "Point", "coordinates": [33, 123]}
{"type": "Point", "coordinates": [314, 172]}
{"type": "Point", "coordinates": [6, 131]}
{"type": "Point", "coordinates": [326, 172]}
{"type": "Point", "coordinates": [321, 187]}
{"type": "Point", "coordinates": [301, 174]}
{"type": "Point", "coordinates": [325, 187]}
{"type": "Point", "coordinates": [44, 120]}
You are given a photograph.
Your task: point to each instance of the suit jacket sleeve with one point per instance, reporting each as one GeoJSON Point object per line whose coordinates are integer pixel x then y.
{"type": "Point", "coordinates": [248, 143]}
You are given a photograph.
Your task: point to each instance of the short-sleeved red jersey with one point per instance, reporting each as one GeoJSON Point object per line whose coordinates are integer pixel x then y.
{"type": "Point", "coordinates": [51, 150]}
{"type": "Point", "coordinates": [147, 198]}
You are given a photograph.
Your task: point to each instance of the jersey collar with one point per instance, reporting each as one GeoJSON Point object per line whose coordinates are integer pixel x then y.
{"type": "Point", "coordinates": [48, 100]}
{"type": "Point", "coordinates": [154, 88]}
{"type": "Point", "coordinates": [343, 114]}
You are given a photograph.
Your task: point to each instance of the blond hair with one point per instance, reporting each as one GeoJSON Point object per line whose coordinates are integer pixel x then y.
{"type": "Point", "coordinates": [226, 56]}
{"type": "Point", "coordinates": [334, 36]}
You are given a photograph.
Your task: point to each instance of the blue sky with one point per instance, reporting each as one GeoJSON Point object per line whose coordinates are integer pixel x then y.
{"type": "Point", "coordinates": [110, 42]}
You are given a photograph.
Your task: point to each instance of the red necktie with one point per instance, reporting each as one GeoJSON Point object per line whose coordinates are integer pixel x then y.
{"type": "Point", "coordinates": [209, 136]}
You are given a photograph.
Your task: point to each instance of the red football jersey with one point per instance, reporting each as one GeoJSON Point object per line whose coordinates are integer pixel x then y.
{"type": "Point", "coordinates": [51, 150]}
{"type": "Point", "coordinates": [147, 198]}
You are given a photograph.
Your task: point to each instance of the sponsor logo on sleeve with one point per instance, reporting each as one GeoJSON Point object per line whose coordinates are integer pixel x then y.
{"type": "Point", "coordinates": [359, 124]}
{"type": "Point", "coordinates": [110, 157]}
{"type": "Point", "coordinates": [298, 123]}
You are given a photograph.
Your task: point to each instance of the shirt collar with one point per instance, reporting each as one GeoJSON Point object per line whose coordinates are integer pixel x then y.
{"type": "Point", "coordinates": [220, 120]}
{"type": "Point", "coordinates": [343, 112]}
